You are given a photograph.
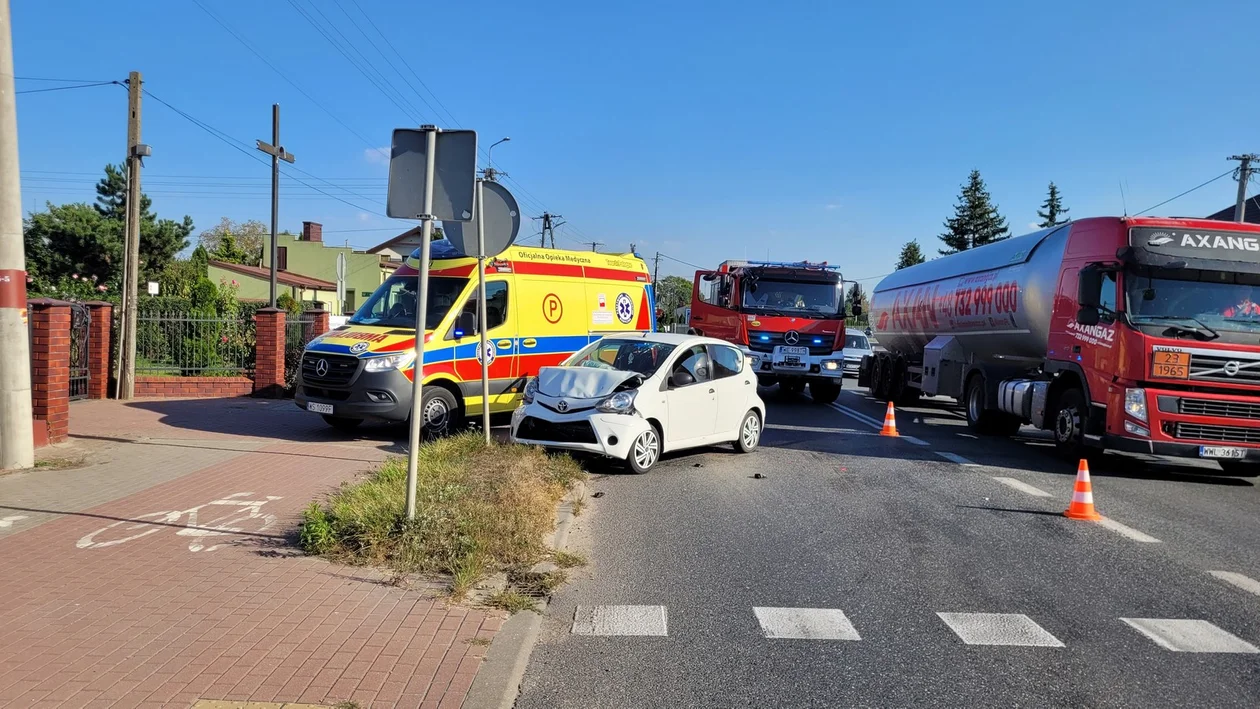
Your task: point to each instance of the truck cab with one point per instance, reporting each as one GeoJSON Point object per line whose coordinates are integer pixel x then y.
{"type": "Point", "coordinates": [787, 318]}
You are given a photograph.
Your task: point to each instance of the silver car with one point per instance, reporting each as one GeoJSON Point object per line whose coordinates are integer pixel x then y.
{"type": "Point", "coordinates": [856, 346]}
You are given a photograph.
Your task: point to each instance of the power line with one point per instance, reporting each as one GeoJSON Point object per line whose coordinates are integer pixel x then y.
{"type": "Point", "coordinates": [66, 81]}
{"type": "Point", "coordinates": [1183, 194]}
{"type": "Point", "coordinates": [67, 88]}
{"type": "Point", "coordinates": [685, 263]}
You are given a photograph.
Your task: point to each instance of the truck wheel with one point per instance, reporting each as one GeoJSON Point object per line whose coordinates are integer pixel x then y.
{"type": "Point", "coordinates": [341, 423]}
{"type": "Point", "coordinates": [879, 381]}
{"type": "Point", "coordinates": [909, 396]}
{"type": "Point", "coordinates": [1069, 424]}
{"type": "Point", "coordinates": [792, 387]}
{"type": "Point", "coordinates": [823, 392]}
{"type": "Point", "coordinates": [986, 422]}
{"type": "Point", "coordinates": [897, 381]}
{"type": "Point", "coordinates": [1240, 468]}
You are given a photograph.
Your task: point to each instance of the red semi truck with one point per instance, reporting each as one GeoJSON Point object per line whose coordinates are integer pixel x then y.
{"type": "Point", "coordinates": [787, 318]}
{"type": "Point", "coordinates": [1129, 334]}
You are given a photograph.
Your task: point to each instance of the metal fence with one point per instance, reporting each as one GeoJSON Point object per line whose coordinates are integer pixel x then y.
{"type": "Point", "coordinates": [194, 345]}
{"type": "Point", "coordinates": [299, 330]}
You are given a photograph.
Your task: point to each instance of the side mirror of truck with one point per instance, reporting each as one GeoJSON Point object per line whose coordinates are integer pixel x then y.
{"type": "Point", "coordinates": [1089, 288]}
{"type": "Point", "coordinates": [857, 310]}
{"type": "Point", "coordinates": [1088, 315]}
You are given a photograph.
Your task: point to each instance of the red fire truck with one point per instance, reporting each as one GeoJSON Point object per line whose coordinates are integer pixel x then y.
{"type": "Point", "coordinates": [1132, 334]}
{"type": "Point", "coordinates": [787, 318]}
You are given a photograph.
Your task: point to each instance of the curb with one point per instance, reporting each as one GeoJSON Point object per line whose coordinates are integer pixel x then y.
{"type": "Point", "coordinates": [498, 681]}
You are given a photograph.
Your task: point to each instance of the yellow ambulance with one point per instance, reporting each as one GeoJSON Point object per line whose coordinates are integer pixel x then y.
{"type": "Point", "coordinates": [542, 305]}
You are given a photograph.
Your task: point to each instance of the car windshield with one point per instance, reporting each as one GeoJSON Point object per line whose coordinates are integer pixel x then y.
{"type": "Point", "coordinates": [641, 356]}
{"type": "Point", "coordinates": [1209, 300]}
{"type": "Point", "coordinates": [857, 342]}
{"type": "Point", "coordinates": [769, 295]}
{"type": "Point", "coordinates": [394, 302]}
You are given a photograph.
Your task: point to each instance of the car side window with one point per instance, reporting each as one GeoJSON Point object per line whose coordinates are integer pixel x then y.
{"type": "Point", "coordinates": [694, 361]}
{"type": "Point", "coordinates": [496, 303]}
{"type": "Point", "coordinates": [727, 361]}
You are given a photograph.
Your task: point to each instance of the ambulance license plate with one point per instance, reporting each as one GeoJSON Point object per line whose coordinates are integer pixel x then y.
{"type": "Point", "coordinates": [319, 408]}
{"type": "Point", "coordinates": [1222, 452]}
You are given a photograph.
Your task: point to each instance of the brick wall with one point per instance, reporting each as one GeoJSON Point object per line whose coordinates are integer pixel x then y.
{"type": "Point", "coordinates": [193, 387]}
{"type": "Point", "coordinates": [269, 359]}
{"type": "Point", "coordinates": [50, 366]}
{"type": "Point", "coordinates": [99, 368]}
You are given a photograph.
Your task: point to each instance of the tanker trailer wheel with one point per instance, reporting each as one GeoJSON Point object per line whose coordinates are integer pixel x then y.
{"type": "Point", "coordinates": [897, 378]}
{"type": "Point", "coordinates": [879, 376]}
{"type": "Point", "coordinates": [986, 422]}
{"type": "Point", "coordinates": [1069, 424]}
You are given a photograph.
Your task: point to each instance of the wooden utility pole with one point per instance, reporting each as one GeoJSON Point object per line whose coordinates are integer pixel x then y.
{"type": "Point", "coordinates": [277, 153]}
{"type": "Point", "coordinates": [131, 244]}
{"type": "Point", "coordinates": [17, 442]}
{"type": "Point", "coordinates": [1244, 175]}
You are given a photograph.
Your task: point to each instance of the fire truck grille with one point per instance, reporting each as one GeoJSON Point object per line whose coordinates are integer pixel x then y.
{"type": "Point", "coordinates": [1223, 409]}
{"type": "Point", "coordinates": [1224, 434]}
{"type": "Point", "coordinates": [766, 342]}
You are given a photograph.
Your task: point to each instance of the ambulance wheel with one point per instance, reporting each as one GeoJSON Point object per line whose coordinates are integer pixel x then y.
{"type": "Point", "coordinates": [442, 415]}
{"type": "Point", "coordinates": [341, 423]}
{"type": "Point", "coordinates": [824, 392]}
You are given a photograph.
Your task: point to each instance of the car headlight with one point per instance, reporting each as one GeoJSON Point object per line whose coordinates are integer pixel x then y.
{"type": "Point", "coordinates": [1135, 403]}
{"type": "Point", "coordinates": [832, 364]}
{"type": "Point", "coordinates": [388, 362]}
{"type": "Point", "coordinates": [620, 403]}
{"type": "Point", "coordinates": [531, 388]}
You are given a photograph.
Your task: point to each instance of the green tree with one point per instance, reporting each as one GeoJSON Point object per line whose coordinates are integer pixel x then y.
{"type": "Point", "coordinates": [181, 276]}
{"type": "Point", "coordinates": [672, 293]}
{"type": "Point", "coordinates": [160, 239]}
{"type": "Point", "coordinates": [911, 255]}
{"type": "Point", "coordinates": [247, 241]}
{"type": "Point", "coordinates": [976, 221]}
{"type": "Point", "coordinates": [1052, 209]}
{"type": "Point", "coordinates": [69, 240]}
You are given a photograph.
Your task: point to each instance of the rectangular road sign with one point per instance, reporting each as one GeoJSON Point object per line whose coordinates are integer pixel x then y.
{"type": "Point", "coordinates": [454, 174]}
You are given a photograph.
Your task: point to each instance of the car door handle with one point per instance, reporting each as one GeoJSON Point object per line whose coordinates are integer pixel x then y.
{"type": "Point", "coordinates": [710, 391]}
{"type": "Point", "coordinates": [529, 342]}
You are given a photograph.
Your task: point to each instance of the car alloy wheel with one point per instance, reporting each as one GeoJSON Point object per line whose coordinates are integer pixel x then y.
{"type": "Point", "coordinates": [647, 448]}
{"type": "Point", "coordinates": [751, 433]}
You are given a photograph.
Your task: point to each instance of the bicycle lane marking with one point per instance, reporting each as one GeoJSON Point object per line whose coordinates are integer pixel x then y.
{"type": "Point", "coordinates": [219, 526]}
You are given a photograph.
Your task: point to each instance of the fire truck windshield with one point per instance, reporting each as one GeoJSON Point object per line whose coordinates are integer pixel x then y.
{"type": "Point", "coordinates": [1209, 301]}
{"type": "Point", "coordinates": [808, 298]}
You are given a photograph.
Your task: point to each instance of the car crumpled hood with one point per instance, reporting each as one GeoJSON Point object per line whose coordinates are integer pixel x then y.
{"type": "Point", "coordinates": [581, 382]}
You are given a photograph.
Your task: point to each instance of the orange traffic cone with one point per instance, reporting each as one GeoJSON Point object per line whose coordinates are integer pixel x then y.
{"type": "Point", "coordinates": [1082, 506]}
{"type": "Point", "coordinates": [890, 422]}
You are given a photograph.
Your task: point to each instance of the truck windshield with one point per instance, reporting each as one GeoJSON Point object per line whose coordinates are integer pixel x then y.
{"type": "Point", "coordinates": [1214, 299]}
{"type": "Point", "coordinates": [796, 297]}
{"type": "Point", "coordinates": [394, 302]}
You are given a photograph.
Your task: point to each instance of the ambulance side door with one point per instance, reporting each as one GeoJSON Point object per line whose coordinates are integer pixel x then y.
{"type": "Point", "coordinates": [551, 316]}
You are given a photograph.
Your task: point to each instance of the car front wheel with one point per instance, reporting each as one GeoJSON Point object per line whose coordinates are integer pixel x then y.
{"type": "Point", "coordinates": [644, 452]}
{"type": "Point", "coordinates": [749, 433]}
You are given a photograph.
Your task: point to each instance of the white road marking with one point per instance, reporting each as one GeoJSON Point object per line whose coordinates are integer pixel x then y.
{"type": "Point", "coordinates": [620, 620]}
{"type": "Point", "coordinates": [999, 629]}
{"type": "Point", "coordinates": [955, 458]}
{"type": "Point", "coordinates": [1126, 531]}
{"type": "Point", "coordinates": [1184, 635]}
{"type": "Point", "coordinates": [916, 441]}
{"type": "Point", "coordinates": [1023, 487]}
{"type": "Point", "coordinates": [817, 429]}
{"type": "Point", "coordinates": [858, 415]}
{"type": "Point", "coordinates": [8, 521]}
{"type": "Point", "coordinates": [1244, 582]}
{"type": "Point", "coordinates": [805, 624]}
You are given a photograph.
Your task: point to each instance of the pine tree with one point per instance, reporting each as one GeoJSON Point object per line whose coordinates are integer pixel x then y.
{"type": "Point", "coordinates": [1052, 209]}
{"type": "Point", "coordinates": [911, 255]}
{"type": "Point", "coordinates": [976, 221]}
{"type": "Point", "coordinates": [160, 239]}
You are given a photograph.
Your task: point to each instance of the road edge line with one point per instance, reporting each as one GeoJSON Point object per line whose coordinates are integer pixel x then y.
{"type": "Point", "coordinates": [1022, 486]}
{"type": "Point", "coordinates": [1127, 531]}
{"type": "Point", "coordinates": [499, 677]}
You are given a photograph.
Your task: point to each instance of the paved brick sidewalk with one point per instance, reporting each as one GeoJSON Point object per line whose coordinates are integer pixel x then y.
{"type": "Point", "coordinates": [113, 603]}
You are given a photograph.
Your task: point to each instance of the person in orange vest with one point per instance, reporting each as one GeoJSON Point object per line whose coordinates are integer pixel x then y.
{"type": "Point", "coordinates": [1245, 309]}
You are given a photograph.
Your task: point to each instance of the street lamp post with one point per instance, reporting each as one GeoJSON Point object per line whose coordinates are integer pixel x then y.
{"type": "Point", "coordinates": [490, 172]}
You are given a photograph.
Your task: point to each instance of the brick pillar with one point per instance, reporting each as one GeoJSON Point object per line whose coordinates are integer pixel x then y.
{"type": "Point", "coordinates": [269, 353]}
{"type": "Point", "coordinates": [50, 365]}
{"type": "Point", "coordinates": [98, 348]}
{"type": "Point", "coordinates": [320, 323]}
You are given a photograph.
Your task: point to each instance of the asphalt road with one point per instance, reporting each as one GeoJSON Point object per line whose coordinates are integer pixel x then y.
{"type": "Point", "coordinates": [880, 536]}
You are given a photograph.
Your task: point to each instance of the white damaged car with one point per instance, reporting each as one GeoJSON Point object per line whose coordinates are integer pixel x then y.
{"type": "Point", "coordinates": [635, 396]}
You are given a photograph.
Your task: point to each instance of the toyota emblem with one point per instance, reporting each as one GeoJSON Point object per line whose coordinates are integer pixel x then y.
{"type": "Point", "coordinates": [792, 337]}
{"type": "Point", "coordinates": [321, 368]}
{"type": "Point", "coordinates": [1231, 367]}
{"type": "Point", "coordinates": [562, 406]}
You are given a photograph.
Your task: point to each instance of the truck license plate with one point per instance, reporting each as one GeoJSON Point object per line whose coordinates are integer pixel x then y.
{"type": "Point", "coordinates": [319, 408]}
{"type": "Point", "coordinates": [1222, 452]}
{"type": "Point", "coordinates": [790, 356]}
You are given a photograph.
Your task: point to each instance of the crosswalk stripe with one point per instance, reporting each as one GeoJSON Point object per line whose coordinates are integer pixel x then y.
{"type": "Point", "coordinates": [805, 624]}
{"type": "Point", "coordinates": [1185, 635]}
{"type": "Point", "coordinates": [999, 629]}
{"type": "Point", "coordinates": [620, 620]}
{"type": "Point", "coordinates": [1246, 583]}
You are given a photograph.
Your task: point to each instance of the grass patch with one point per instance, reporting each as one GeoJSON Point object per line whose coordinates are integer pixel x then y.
{"type": "Point", "coordinates": [479, 510]}
{"type": "Point", "coordinates": [512, 601]}
{"type": "Point", "coordinates": [568, 560]}
{"type": "Point", "coordinates": [60, 463]}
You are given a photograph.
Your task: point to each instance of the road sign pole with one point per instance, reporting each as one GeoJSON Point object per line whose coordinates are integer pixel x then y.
{"type": "Point", "coordinates": [481, 309]}
{"type": "Point", "coordinates": [422, 305]}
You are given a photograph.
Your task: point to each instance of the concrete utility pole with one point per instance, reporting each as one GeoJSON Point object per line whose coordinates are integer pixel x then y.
{"type": "Point", "coordinates": [1244, 174]}
{"type": "Point", "coordinates": [131, 247]}
{"type": "Point", "coordinates": [17, 441]}
{"type": "Point", "coordinates": [656, 266]}
{"type": "Point", "coordinates": [594, 244]}
{"type": "Point", "coordinates": [277, 153]}
{"type": "Point", "coordinates": [549, 227]}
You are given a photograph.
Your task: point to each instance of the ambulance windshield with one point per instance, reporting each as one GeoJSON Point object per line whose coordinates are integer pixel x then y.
{"type": "Point", "coordinates": [394, 302]}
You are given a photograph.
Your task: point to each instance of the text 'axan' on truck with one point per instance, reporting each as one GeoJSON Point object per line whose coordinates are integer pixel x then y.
{"type": "Point", "coordinates": [1128, 334]}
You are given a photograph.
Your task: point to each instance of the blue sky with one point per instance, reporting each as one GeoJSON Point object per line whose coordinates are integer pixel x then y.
{"type": "Point", "coordinates": [827, 131]}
